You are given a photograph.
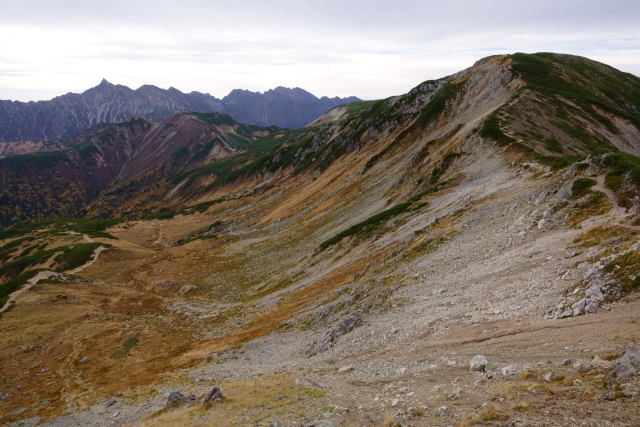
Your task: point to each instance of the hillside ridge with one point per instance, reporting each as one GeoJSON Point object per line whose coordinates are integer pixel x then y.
{"type": "Point", "coordinates": [464, 253]}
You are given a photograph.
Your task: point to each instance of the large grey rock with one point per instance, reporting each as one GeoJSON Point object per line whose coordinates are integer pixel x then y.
{"type": "Point", "coordinates": [594, 293]}
{"type": "Point", "coordinates": [478, 363]}
{"type": "Point", "coordinates": [176, 399]}
{"type": "Point", "coordinates": [624, 366]}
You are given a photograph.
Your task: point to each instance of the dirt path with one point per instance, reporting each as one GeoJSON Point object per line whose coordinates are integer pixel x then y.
{"type": "Point", "coordinates": [43, 275]}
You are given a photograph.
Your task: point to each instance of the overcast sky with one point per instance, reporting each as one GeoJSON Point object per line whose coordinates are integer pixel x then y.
{"type": "Point", "coordinates": [371, 49]}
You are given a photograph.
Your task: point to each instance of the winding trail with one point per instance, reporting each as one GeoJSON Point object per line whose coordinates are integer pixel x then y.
{"type": "Point", "coordinates": [46, 274]}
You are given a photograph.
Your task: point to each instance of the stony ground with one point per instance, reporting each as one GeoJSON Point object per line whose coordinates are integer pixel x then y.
{"type": "Point", "coordinates": [496, 260]}
{"type": "Point", "coordinates": [388, 343]}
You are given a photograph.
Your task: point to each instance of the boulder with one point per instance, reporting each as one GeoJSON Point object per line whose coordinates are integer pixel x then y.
{"type": "Point", "coordinates": [624, 366]}
{"type": "Point", "coordinates": [176, 399]}
{"type": "Point", "coordinates": [214, 395]}
{"type": "Point", "coordinates": [594, 293]}
{"type": "Point", "coordinates": [478, 363]}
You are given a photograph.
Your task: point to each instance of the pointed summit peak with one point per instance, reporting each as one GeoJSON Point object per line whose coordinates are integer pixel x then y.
{"type": "Point", "coordinates": [105, 82]}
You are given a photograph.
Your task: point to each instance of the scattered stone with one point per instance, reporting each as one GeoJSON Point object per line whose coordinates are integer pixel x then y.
{"type": "Point", "coordinates": [548, 377]}
{"type": "Point", "coordinates": [442, 411]}
{"type": "Point", "coordinates": [84, 360]}
{"type": "Point", "coordinates": [568, 362]}
{"type": "Point", "coordinates": [395, 402]}
{"type": "Point", "coordinates": [3, 396]}
{"type": "Point", "coordinates": [597, 362]}
{"type": "Point", "coordinates": [509, 371]}
{"type": "Point", "coordinates": [321, 423]}
{"type": "Point", "coordinates": [110, 402]}
{"type": "Point", "coordinates": [345, 369]}
{"type": "Point", "coordinates": [478, 363]}
{"type": "Point", "coordinates": [455, 394]}
{"type": "Point", "coordinates": [344, 326]}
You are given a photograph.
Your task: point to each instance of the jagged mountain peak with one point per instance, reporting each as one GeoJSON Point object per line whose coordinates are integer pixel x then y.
{"type": "Point", "coordinates": [107, 102]}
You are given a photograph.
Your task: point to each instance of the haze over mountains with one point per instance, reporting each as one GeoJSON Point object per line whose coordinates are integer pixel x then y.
{"type": "Point", "coordinates": [65, 115]}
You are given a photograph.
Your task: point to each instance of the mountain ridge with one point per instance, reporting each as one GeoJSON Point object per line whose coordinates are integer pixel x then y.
{"type": "Point", "coordinates": [67, 114]}
{"type": "Point", "coordinates": [469, 248]}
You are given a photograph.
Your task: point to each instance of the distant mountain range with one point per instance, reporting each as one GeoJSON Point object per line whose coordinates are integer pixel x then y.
{"type": "Point", "coordinates": [66, 115]}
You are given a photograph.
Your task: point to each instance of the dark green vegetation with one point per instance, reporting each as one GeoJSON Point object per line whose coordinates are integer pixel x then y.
{"type": "Point", "coordinates": [268, 153]}
{"type": "Point", "coordinates": [444, 165]}
{"type": "Point", "coordinates": [367, 226]}
{"type": "Point", "coordinates": [552, 144]}
{"type": "Point", "coordinates": [12, 285]}
{"type": "Point", "coordinates": [373, 223]}
{"type": "Point", "coordinates": [585, 82]}
{"type": "Point", "coordinates": [624, 177]}
{"type": "Point", "coordinates": [94, 227]}
{"type": "Point", "coordinates": [569, 92]}
{"type": "Point", "coordinates": [20, 256]}
{"type": "Point", "coordinates": [74, 256]}
{"type": "Point", "coordinates": [581, 187]}
{"type": "Point", "coordinates": [187, 210]}
{"type": "Point", "coordinates": [491, 129]}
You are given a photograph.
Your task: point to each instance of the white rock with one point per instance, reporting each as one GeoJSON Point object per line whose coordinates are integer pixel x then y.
{"type": "Point", "coordinates": [442, 411]}
{"type": "Point", "coordinates": [345, 369]}
{"type": "Point", "coordinates": [594, 292]}
{"type": "Point", "coordinates": [478, 363]}
{"type": "Point", "coordinates": [509, 371]}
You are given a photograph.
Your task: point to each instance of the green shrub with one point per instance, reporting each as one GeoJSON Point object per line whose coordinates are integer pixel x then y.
{"type": "Point", "coordinates": [581, 187]}
{"type": "Point", "coordinates": [75, 256]}
{"type": "Point", "coordinates": [491, 129]}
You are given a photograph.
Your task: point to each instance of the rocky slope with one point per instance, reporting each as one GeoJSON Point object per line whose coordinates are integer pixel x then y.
{"type": "Point", "coordinates": [349, 272]}
{"type": "Point", "coordinates": [66, 115]}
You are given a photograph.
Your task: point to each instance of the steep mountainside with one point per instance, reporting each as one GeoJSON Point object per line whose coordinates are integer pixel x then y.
{"type": "Point", "coordinates": [348, 271]}
{"type": "Point", "coordinates": [124, 158]}
{"type": "Point", "coordinates": [69, 114]}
